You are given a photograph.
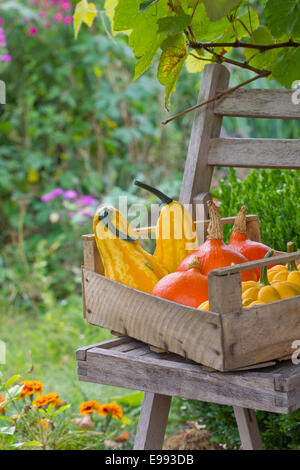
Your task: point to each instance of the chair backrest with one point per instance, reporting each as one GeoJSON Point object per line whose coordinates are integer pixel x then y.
{"type": "Point", "coordinates": [207, 149]}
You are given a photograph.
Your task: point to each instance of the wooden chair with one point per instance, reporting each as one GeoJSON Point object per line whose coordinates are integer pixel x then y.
{"type": "Point", "coordinates": [128, 363]}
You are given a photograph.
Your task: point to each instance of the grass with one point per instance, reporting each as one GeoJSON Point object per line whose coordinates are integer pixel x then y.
{"type": "Point", "coordinates": [53, 339]}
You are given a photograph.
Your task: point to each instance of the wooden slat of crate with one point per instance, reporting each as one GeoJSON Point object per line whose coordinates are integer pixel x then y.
{"type": "Point", "coordinates": [272, 389]}
{"type": "Point", "coordinates": [186, 331]}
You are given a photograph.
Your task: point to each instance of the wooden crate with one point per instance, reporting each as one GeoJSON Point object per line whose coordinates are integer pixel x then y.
{"type": "Point", "coordinates": [226, 338]}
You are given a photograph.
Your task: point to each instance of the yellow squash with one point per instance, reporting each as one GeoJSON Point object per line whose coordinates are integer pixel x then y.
{"type": "Point", "coordinates": [285, 273]}
{"type": "Point", "coordinates": [266, 292]}
{"type": "Point", "coordinates": [175, 231]}
{"type": "Point", "coordinates": [123, 257]}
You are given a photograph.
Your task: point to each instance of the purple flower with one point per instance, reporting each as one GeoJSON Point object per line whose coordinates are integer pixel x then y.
{"type": "Point", "coordinates": [52, 195]}
{"type": "Point", "coordinates": [85, 200]}
{"type": "Point", "coordinates": [70, 194]}
{"type": "Point", "coordinates": [6, 58]}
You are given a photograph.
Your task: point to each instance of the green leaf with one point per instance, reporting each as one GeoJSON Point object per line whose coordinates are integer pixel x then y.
{"type": "Point", "coordinates": [174, 24]}
{"type": "Point", "coordinates": [144, 62]}
{"type": "Point", "coordinates": [283, 17]}
{"type": "Point", "coordinates": [145, 29]}
{"type": "Point", "coordinates": [217, 9]}
{"type": "Point", "coordinates": [61, 410]}
{"type": "Point", "coordinates": [174, 53]}
{"type": "Point", "coordinates": [286, 69]}
{"type": "Point", "coordinates": [132, 399]}
{"type": "Point", "coordinates": [12, 380]}
{"type": "Point", "coordinates": [193, 64]}
{"type": "Point", "coordinates": [206, 30]}
{"type": "Point", "coordinates": [27, 444]}
{"type": "Point", "coordinates": [6, 418]}
{"type": "Point", "coordinates": [261, 60]}
{"type": "Point", "coordinates": [144, 5]}
{"type": "Point", "coordinates": [126, 13]}
{"type": "Point", "coordinates": [243, 25]}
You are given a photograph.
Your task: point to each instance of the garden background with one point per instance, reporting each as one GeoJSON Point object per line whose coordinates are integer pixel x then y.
{"type": "Point", "coordinates": [75, 132]}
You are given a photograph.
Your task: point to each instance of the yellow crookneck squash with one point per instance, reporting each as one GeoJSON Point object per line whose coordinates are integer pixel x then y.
{"type": "Point", "coordinates": [176, 235]}
{"type": "Point", "coordinates": [122, 255]}
{"type": "Point", "coordinates": [264, 292]}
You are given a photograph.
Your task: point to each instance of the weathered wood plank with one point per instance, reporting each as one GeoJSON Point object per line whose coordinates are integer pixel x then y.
{"type": "Point", "coordinates": [255, 153]}
{"type": "Point", "coordinates": [273, 104]}
{"type": "Point", "coordinates": [278, 259]}
{"type": "Point", "coordinates": [248, 428]}
{"type": "Point", "coordinates": [260, 333]}
{"type": "Point", "coordinates": [225, 293]}
{"type": "Point", "coordinates": [186, 331]}
{"type": "Point", "coordinates": [153, 422]}
{"type": "Point", "coordinates": [254, 389]}
{"type": "Point", "coordinates": [81, 352]}
{"type": "Point", "coordinates": [91, 256]}
{"type": "Point", "coordinates": [197, 173]}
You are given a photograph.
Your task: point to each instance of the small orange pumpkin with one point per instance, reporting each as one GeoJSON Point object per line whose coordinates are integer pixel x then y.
{"type": "Point", "coordinates": [187, 288]}
{"type": "Point", "coordinates": [214, 253]}
{"type": "Point", "coordinates": [240, 242]}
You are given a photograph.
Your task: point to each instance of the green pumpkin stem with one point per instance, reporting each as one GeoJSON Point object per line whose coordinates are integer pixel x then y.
{"type": "Point", "coordinates": [292, 264]}
{"type": "Point", "coordinates": [264, 271]}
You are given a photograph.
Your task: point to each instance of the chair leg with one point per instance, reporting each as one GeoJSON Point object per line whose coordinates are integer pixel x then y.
{"type": "Point", "coordinates": [248, 428]}
{"type": "Point", "coordinates": [153, 421]}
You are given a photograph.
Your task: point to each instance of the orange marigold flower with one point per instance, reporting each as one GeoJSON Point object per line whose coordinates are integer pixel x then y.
{"type": "Point", "coordinates": [89, 407]}
{"type": "Point", "coordinates": [44, 423]}
{"type": "Point", "coordinates": [44, 400]}
{"type": "Point", "coordinates": [31, 387]}
{"type": "Point", "coordinates": [2, 408]}
{"type": "Point", "coordinates": [112, 409]}
{"type": "Point", "coordinates": [54, 399]}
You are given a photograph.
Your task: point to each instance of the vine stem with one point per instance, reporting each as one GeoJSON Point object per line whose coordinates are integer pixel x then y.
{"type": "Point", "coordinates": [217, 97]}
{"type": "Point", "coordinates": [261, 47]}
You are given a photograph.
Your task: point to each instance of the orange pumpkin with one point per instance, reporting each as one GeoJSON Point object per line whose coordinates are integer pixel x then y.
{"type": "Point", "coordinates": [186, 288]}
{"type": "Point", "coordinates": [240, 242]}
{"type": "Point", "coordinates": [214, 253]}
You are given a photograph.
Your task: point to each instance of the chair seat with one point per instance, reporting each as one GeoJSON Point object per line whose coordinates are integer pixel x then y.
{"type": "Point", "coordinates": [124, 362]}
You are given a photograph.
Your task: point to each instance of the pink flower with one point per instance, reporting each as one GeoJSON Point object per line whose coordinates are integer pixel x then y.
{"type": "Point", "coordinates": [47, 24]}
{"type": "Point", "coordinates": [52, 195]}
{"type": "Point", "coordinates": [70, 194]}
{"type": "Point", "coordinates": [65, 5]}
{"type": "Point", "coordinates": [1, 21]}
{"type": "Point", "coordinates": [32, 31]}
{"type": "Point", "coordinates": [68, 19]}
{"type": "Point", "coordinates": [58, 17]}
{"type": "Point", "coordinates": [42, 14]}
{"type": "Point", "coordinates": [6, 58]}
{"type": "Point", "coordinates": [2, 42]}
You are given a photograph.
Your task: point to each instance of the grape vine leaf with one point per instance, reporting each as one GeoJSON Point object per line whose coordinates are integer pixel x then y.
{"type": "Point", "coordinates": [174, 54]}
{"type": "Point", "coordinates": [174, 24]}
{"type": "Point", "coordinates": [283, 17]}
{"type": "Point", "coordinates": [144, 62]}
{"type": "Point", "coordinates": [261, 59]}
{"type": "Point", "coordinates": [286, 69]}
{"type": "Point", "coordinates": [84, 13]}
{"type": "Point", "coordinates": [144, 5]}
{"type": "Point", "coordinates": [126, 13]}
{"type": "Point", "coordinates": [193, 64]}
{"type": "Point", "coordinates": [217, 9]}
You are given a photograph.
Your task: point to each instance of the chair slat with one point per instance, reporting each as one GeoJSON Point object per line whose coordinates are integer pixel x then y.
{"type": "Point", "coordinates": [255, 153]}
{"type": "Point", "coordinates": [272, 104]}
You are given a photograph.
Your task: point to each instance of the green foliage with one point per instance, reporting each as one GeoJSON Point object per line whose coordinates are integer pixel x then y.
{"type": "Point", "coordinates": [177, 26]}
{"type": "Point", "coordinates": [279, 211]}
